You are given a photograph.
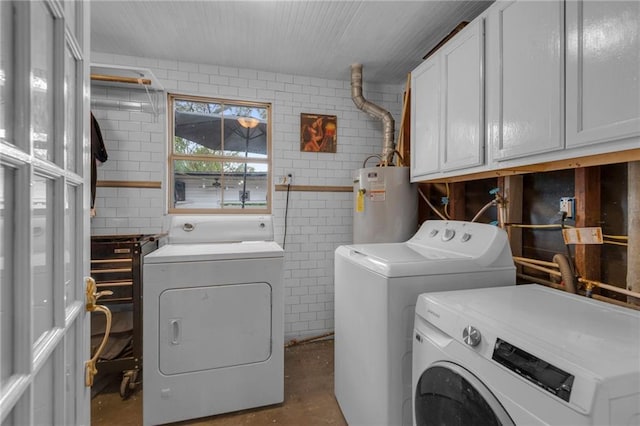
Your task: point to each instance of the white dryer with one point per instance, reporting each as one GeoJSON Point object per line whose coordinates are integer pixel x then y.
{"type": "Point", "coordinates": [525, 355]}
{"type": "Point", "coordinates": [376, 287]}
{"type": "Point", "coordinates": [213, 319]}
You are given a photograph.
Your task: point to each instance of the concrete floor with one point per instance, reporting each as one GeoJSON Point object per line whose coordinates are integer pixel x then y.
{"type": "Point", "coordinates": [308, 396]}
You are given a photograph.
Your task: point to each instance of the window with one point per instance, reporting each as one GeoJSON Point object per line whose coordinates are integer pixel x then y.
{"type": "Point", "coordinates": [219, 156]}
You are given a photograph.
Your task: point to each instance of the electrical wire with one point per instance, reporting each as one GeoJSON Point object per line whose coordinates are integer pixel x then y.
{"type": "Point", "coordinates": [379, 157]}
{"type": "Point", "coordinates": [286, 213]}
{"type": "Point", "coordinates": [424, 197]}
{"type": "Point", "coordinates": [401, 162]}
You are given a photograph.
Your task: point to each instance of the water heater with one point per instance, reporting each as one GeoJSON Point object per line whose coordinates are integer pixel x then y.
{"type": "Point", "coordinates": [385, 205]}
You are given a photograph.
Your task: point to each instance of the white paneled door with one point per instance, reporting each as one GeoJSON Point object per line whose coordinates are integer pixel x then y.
{"type": "Point", "coordinates": [44, 212]}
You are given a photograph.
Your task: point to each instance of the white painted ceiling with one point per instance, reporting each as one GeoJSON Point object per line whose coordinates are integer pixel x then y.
{"type": "Point", "coordinates": [309, 38]}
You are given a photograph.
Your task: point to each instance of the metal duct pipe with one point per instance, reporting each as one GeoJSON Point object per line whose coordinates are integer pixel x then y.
{"type": "Point", "coordinates": [568, 278]}
{"type": "Point", "coordinates": [375, 111]}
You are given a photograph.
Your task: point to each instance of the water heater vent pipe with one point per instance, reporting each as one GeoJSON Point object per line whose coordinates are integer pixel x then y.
{"type": "Point", "coordinates": [375, 111]}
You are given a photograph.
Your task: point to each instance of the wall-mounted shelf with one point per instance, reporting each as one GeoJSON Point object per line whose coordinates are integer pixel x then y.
{"type": "Point", "coordinates": [128, 184]}
{"type": "Point", "coordinates": [130, 78]}
{"type": "Point", "coordinates": [116, 79]}
{"type": "Point", "coordinates": [125, 77]}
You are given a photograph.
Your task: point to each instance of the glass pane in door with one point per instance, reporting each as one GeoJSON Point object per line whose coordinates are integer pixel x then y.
{"type": "Point", "coordinates": [70, 363]}
{"type": "Point", "coordinates": [70, 256]}
{"type": "Point", "coordinates": [6, 274]}
{"type": "Point", "coordinates": [42, 194]}
{"type": "Point", "coordinates": [70, 108]}
{"type": "Point", "coordinates": [445, 397]}
{"type": "Point", "coordinates": [44, 393]}
{"type": "Point", "coordinates": [9, 421]}
{"type": "Point", "coordinates": [42, 50]}
{"type": "Point", "coordinates": [42, 254]}
{"type": "Point", "coordinates": [6, 71]}
{"type": "Point", "coordinates": [70, 13]}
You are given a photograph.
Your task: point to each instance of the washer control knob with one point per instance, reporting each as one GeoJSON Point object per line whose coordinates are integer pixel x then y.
{"type": "Point", "coordinates": [471, 335]}
{"type": "Point", "coordinates": [433, 232]}
{"type": "Point", "coordinates": [465, 237]}
{"type": "Point", "coordinates": [448, 234]}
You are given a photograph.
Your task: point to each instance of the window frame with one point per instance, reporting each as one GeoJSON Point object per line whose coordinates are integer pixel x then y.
{"type": "Point", "coordinates": [171, 157]}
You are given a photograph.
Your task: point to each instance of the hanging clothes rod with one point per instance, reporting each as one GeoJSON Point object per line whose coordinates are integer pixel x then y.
{"type": "Point", "coordinates": [117, 79]}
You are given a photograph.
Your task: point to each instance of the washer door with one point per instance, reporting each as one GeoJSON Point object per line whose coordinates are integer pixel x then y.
{"type": "Point", "coordinates": [447, 394]}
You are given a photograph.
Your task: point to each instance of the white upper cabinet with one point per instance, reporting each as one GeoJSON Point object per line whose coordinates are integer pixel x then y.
{"type": "Point", "coordinates": [541, 81]}
{"type": "Point", "coordinates": [425, 118]}
{"type": "Point", "coordinates": [525, 76]}
{"type": "Point", "coordinates": [462, 141]}
{"type": "Point", "coordinates": [603, 71]}
{"type": "Point", "coordinates": [447, 107]}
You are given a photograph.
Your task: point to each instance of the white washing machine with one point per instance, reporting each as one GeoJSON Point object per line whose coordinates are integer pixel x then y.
{"type": "Point", "coordinates": [376, 287]}
{"type": "Point", "coordinates": [213, 319]}
{"type": "Point", "coordinates": [525, 355]}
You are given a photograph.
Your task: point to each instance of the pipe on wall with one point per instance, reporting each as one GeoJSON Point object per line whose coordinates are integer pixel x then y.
{"type": "Point", "coordinates": [388, 124]}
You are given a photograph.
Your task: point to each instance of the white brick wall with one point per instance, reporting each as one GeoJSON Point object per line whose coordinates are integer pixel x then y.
{"type": "Point", "coordinates": [318, 222]}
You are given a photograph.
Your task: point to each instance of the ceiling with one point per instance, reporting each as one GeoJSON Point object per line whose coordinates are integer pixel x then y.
{"type": "Point", "coordinates": [309, 38]}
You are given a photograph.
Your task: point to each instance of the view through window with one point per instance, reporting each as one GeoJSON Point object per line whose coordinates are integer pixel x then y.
{"type": "Point", "coordinates": [220, 156]}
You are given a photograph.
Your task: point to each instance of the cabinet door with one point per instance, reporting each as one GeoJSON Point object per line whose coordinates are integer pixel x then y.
{"type": "Point", "coordinates": [603, 71]}
{"type": "Point", "coordinates": [425, 118]}
{"type": "Point", "coordinates": [462, 141]}
{"type": "Point", "coordinates": [525, 75]}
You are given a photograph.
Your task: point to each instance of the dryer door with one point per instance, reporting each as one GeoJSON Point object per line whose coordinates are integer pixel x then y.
{"type": "Point", "coordinates": [203, 328]}
{"type": "Point", "coordinates": [448, 394]}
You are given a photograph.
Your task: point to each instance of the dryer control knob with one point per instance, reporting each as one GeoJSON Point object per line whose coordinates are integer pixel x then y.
{"type": "Point", "coordinates": [433, 232]}
{"type": "Point", "coordinates": [471, 335]}
{"type": "Point", "coordinates": [448, 234]}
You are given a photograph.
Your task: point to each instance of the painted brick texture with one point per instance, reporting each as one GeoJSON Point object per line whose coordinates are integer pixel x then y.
{"type": "Point", "coordinates": [317, 222]}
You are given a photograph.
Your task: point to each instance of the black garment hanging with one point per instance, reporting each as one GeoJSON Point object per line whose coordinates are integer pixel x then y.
{"type": "Point", "coordinates": [98, 153]}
